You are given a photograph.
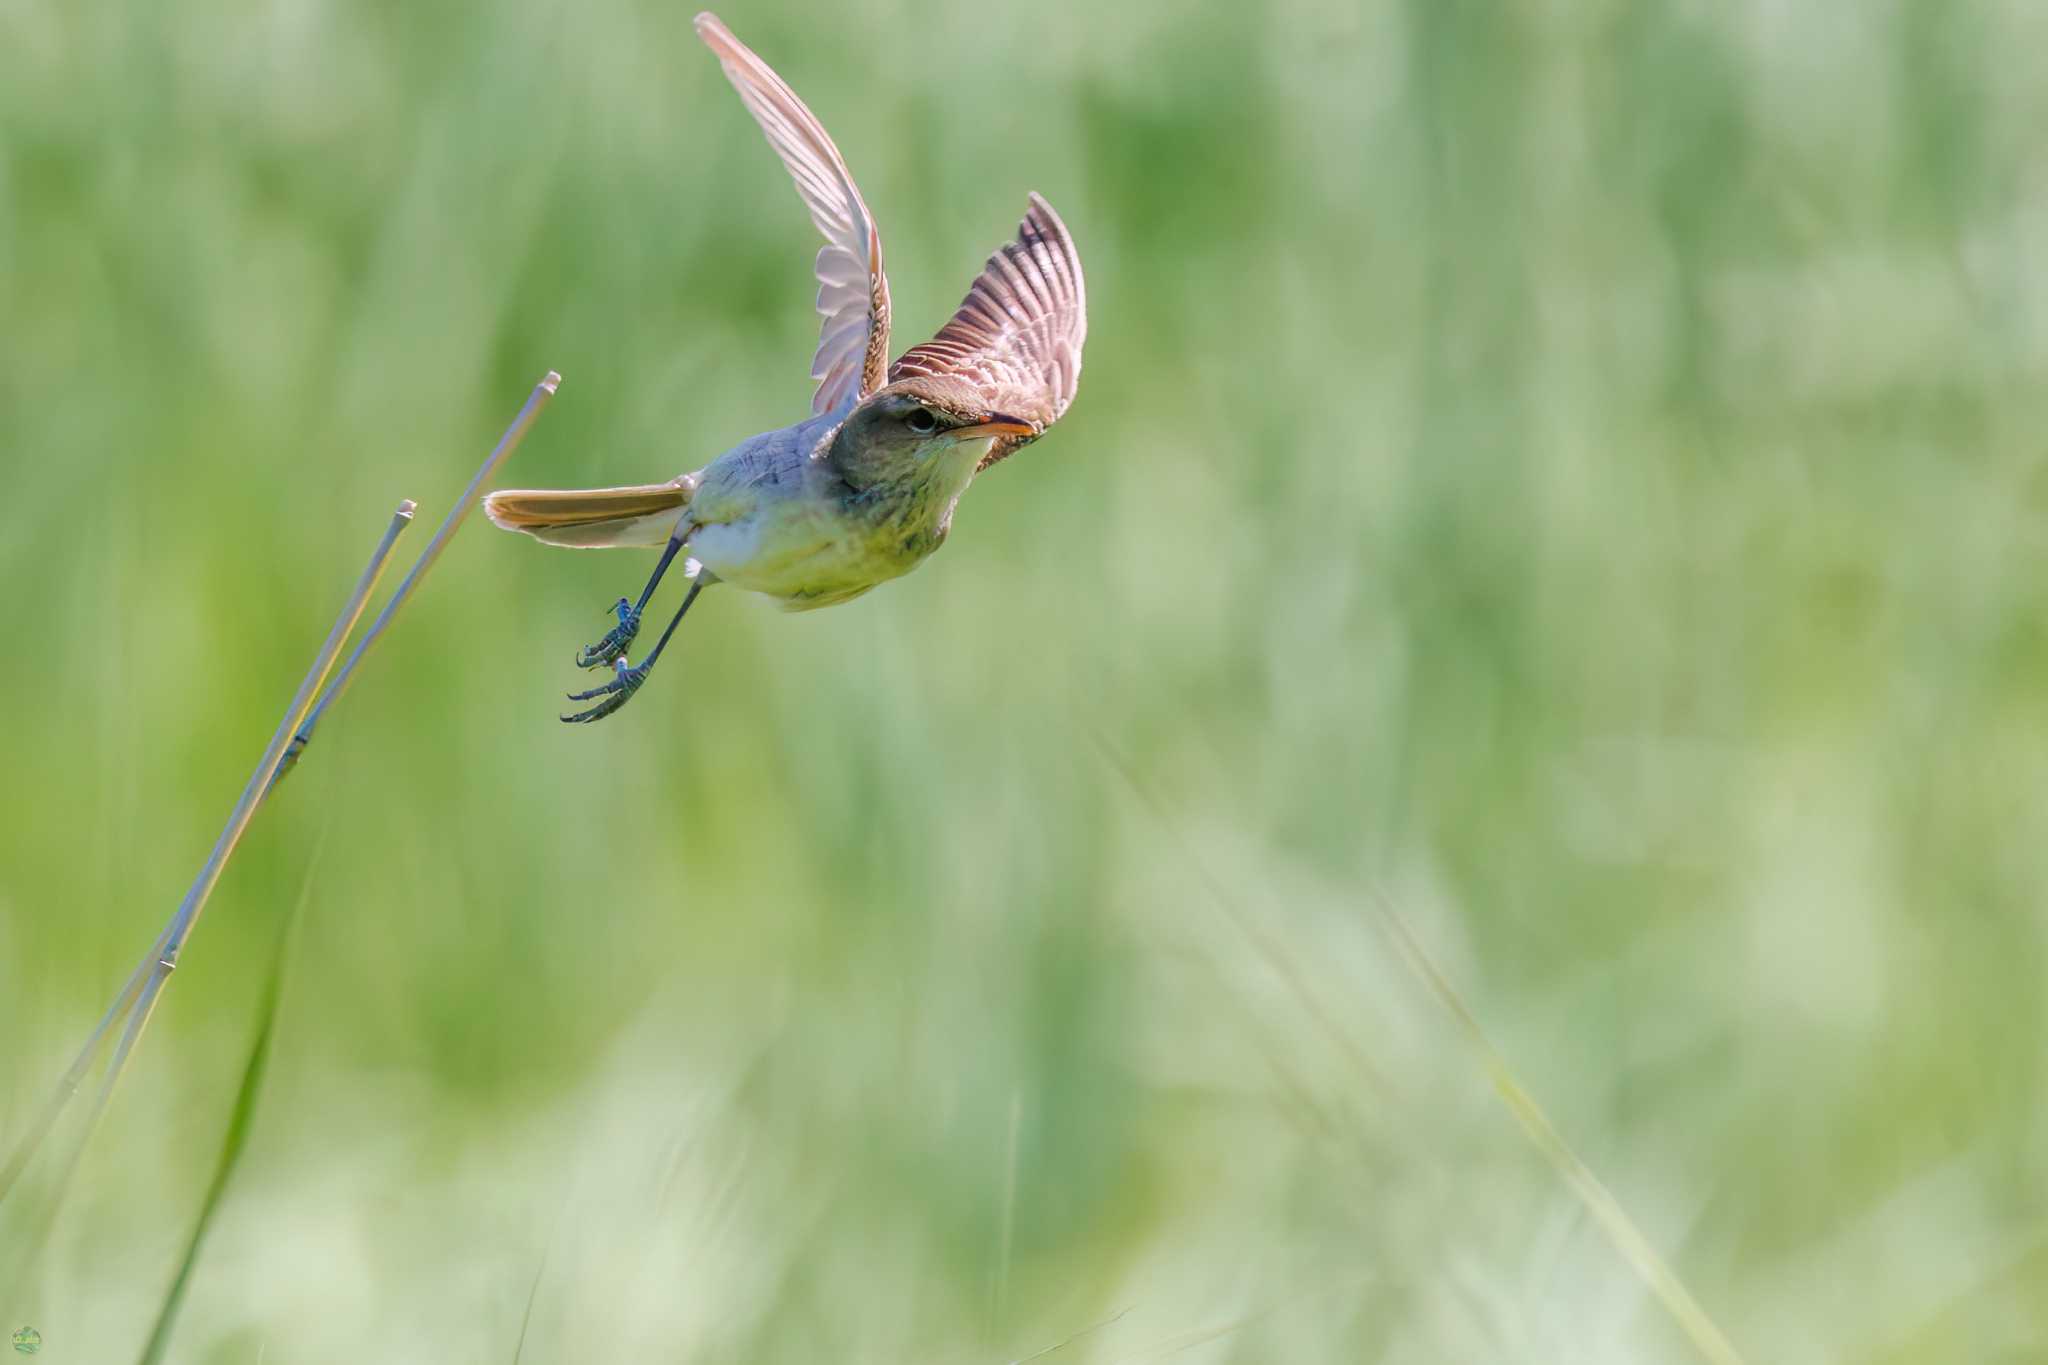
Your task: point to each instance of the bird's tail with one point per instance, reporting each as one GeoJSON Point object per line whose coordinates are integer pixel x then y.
{"type": "Point", "coordinates": [591, 518]}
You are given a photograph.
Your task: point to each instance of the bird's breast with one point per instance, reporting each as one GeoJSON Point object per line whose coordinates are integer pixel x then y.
{"type": "Point", "coordinates": [826, 543]}
{"type": "Point", "coordinates": [813, 553]}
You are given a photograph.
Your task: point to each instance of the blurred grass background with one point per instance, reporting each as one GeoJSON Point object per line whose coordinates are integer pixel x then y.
{"type": "Point", "coordinates": [1575, 466]}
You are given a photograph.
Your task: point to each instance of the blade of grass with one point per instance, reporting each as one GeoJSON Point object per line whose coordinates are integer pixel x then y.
{"type": "Point", "coordinates": [1622, 1232]}
{"type": "Point", "coordinates": [237, 1135]}
{"type": "Point", "coordinates": [532, 1296]}
{"type": "Point", "coordinates": [1064, 1342]}
{"type": "Point", "coordinates": [547, 1252]}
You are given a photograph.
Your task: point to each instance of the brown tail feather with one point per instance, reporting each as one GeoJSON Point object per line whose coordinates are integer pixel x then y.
{"type": "Point", "coordinates": [590, 518]}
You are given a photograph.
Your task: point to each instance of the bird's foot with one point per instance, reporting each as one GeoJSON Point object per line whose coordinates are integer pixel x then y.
{"type": "Point", "coordinates": [612, 648]}
{"type": "Point", "coordinates": [616, 693]}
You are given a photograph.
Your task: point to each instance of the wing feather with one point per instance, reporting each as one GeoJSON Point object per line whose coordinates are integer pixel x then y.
{"type": "Point", "coordinates": [853, 340]}
{"type": "Point", "coordinates": [1017, 336]}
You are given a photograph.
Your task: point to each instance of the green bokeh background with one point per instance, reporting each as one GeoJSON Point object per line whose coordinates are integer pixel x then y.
{"type": "Point", "coordinates": [1573, 470]}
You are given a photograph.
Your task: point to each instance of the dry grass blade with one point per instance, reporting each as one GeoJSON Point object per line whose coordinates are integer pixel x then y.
{"type": "Point", "coordinates": [137, 999]}
{"type": "Point", "coordinates": [502, 451]}
{"type": "Point", "coordinates": [172, 945]}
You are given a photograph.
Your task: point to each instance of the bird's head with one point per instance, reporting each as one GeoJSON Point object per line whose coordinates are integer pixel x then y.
{"type": "Point", "coordinates": [918, 428]}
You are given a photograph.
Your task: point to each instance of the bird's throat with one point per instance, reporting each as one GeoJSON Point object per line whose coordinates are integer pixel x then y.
{"type": "Point", "coordinates": [915, 501]}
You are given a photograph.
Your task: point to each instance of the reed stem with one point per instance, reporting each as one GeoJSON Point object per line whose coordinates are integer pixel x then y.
{"type": "Point", "coordinates": [138, 998]}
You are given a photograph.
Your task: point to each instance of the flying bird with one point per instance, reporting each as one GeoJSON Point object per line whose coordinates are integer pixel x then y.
{"type": "Point", "coordinates": [863, 489]}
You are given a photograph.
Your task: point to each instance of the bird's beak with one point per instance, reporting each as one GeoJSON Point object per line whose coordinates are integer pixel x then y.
{"type": "Point", "coordinates": [996, 425]}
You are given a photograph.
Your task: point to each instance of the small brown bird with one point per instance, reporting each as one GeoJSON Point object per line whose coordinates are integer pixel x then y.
{"type": "Point", "coordinates": [863, 490]}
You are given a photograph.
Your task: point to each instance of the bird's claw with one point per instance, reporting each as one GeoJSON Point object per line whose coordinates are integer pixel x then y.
{"type": "Point", "coordinates": [615, 694]}
{"type": "Point", "coordinates": [612, 648]}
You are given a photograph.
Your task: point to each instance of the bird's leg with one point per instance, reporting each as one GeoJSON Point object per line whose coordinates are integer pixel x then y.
{"type": "Point", "coordinates": [613, 646]}
{"type": "Point", "coordinates": [628, 677]}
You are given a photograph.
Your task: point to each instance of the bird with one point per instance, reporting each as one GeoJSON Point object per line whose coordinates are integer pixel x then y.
{"type": "Point", "coordinates": [863, 489]}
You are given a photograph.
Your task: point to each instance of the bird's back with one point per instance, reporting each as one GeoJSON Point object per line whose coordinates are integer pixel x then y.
{"type": "Point", "coordinates": [775, 465]}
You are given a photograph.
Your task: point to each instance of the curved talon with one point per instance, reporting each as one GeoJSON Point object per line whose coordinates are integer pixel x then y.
{"type": "Point", "coordinates": [616, 642]}
{"type": "Point", "coordinates": [621, 688]}
{"type": "Point", "coordinates": [615, 694]}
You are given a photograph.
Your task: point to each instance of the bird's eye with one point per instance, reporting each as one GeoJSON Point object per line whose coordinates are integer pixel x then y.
{"type": "Point", "coordinates": [923, 421]}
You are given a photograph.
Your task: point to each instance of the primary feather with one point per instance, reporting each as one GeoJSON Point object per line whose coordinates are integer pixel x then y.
{"type": "Point", "coordinates": [1017, 336]}
{"type": "Point", "coordinates": [853, 291]}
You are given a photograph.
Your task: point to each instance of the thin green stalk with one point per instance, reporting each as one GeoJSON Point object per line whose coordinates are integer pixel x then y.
{"type": "Point", "coordinates": [1627, 1239]}
{"type": "Point", "coordinates": [1067, 1341]}
{"type": "Point", "coordinates": [237, 1135]}
{"type": "Point", "coordinates": [532, 1297]}
{"type": "Point", "coordinates": [1621, 1230]}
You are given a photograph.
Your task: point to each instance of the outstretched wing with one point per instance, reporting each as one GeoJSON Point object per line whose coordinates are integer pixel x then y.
{"type": "Point", "coordinates": [1017, 337]}
{"type": "Point", "coordinates": [853, 293]}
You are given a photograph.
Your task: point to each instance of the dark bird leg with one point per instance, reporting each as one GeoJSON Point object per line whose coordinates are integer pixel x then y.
{"type": "Point", "coordinates": [621, 688]}
{"type": "Point", "coordinates": [613, 646]}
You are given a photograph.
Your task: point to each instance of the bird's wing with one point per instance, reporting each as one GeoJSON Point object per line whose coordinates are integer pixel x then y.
{"type": "Point", "coordinates": [853, 293]}
{"type": "Point", "coordinates": [1017, 337]}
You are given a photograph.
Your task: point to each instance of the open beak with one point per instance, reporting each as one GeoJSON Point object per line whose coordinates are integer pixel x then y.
{"type": "Point", "coordinates": [996, 425]}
